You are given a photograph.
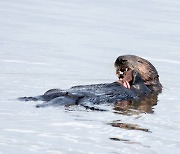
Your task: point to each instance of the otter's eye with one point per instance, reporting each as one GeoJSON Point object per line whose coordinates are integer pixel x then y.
{"type": "Point", "coordinates": [123, 61]}
{"type": "Point", "coordinates": [121, 72]}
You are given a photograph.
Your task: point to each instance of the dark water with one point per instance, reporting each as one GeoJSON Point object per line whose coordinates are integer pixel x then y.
{"type": "Point", "coordinates": [58, 44]}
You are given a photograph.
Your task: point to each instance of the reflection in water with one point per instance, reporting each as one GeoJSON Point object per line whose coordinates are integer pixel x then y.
{"type": "Point", "coordinates": [131, 107]}
{"type": "Point", "coordinates": [127, 141]}
{"type": "Point", "coordinates": [134, 107]}
{"type": "Point", "coordinates": [128, 126]}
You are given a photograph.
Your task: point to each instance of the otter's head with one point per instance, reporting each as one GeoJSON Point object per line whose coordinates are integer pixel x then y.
{"type": "Point", "coordinates": [147, 71]}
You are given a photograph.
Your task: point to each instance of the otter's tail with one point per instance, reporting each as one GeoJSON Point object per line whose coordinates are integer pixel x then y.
{"type": "Point", "coordinates": [37, 98]}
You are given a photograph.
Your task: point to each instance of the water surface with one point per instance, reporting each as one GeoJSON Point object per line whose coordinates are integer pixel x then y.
{"type": "Point", "coordinates": [57, 44]}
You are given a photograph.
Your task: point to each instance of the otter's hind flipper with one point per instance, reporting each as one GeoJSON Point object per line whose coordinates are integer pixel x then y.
{"type": "Point", "coordinates": [54, 93]}
{"type": "Point", "coordinates": [63, 100]}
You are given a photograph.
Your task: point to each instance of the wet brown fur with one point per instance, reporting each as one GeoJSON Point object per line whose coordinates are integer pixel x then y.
{"type": "Point", "coordinates": [147, 71]}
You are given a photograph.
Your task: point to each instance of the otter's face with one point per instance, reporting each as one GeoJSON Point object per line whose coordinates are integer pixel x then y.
{"type": "Point", "coordinates": [121, 69]}
{"type": "Point", "coordinates": [125, 64]}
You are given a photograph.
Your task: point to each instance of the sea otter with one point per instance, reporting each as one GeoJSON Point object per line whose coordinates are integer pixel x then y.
{"type": "Point", "coordinates": [137, 79]}
{"type": "Point", "coordinates": [146, 70]}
